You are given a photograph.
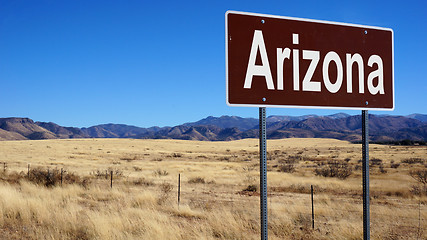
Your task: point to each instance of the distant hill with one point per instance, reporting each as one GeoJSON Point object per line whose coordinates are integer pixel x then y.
{"type": "Point", "coordinates": [117, 131]}
{"type": "Point", "coordinates": [23, 128]}
{"type": "Point", "coordinates": [120, 130]}
{"type": "Point", "coordinates": [275, 118]}
{"type": "Point", "coordinates": [421, 117]}
{"type": "Point", "coordinates": [227, 122]}
{"type": "Point", "coordinates": [278, 118]}
{"type": "Point", "coordinates": [382, 128]}
{"type": "Point", "coordinates": [349, 128]}
{"type": "Point", "coordinates": [63, 132]}
{"type": "Point", "coordinates": [7, 135]}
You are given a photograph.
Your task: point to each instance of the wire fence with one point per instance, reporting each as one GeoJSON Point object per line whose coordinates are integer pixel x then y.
{"type": "Point", "coordinates": [411, 215]}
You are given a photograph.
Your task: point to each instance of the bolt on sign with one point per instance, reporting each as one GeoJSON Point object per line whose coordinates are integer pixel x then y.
{"type": "Point", "coordinates": [274, 61]}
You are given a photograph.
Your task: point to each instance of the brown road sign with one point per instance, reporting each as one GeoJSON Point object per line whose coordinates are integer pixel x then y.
{"type": "Point", "coordinates": [274, 61]}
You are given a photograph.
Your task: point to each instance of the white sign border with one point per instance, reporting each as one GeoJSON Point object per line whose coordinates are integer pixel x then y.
{"type": "Point", "coordinates": [304, 20]}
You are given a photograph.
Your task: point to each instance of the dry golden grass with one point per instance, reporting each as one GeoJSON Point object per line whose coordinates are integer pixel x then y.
{"type": "Point", "coordinates": [143, 201]}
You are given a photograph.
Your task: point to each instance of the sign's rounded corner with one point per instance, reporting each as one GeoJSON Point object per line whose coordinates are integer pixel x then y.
{"type": "Point", "coordinates": [228, 12]}
{"type": "Point", "coordinates": [229, 104]}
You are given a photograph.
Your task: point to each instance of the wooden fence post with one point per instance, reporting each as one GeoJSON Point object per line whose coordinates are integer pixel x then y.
{"type": "Point", "coordinates": [111, 183]}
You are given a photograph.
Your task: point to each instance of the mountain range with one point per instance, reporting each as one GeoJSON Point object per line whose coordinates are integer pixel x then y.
{"type": "Point", "coordinates": [382, 128]}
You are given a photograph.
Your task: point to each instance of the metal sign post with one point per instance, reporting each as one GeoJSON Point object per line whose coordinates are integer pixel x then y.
{"type": "Point", "coordinates": [263, 172]}
{"type": "Point", "coordinates": [312, 208]}
{"type": "Point", "coordinates": [365, 174]}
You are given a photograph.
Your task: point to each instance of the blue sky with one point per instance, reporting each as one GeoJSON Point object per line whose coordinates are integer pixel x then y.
{"type": "Point", "coordinates": [162, 63]}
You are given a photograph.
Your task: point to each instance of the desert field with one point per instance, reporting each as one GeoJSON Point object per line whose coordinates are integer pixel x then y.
{"type": "Point", "coordinates": [61, 189]}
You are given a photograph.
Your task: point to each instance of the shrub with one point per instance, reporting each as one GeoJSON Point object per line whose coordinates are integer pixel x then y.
{"type": "Point", "coordinates": [375, 161]}
{"type": "Point", "coordinates": [12, 177]}
{"type": "Point", "coordinates": [100, 173]}
{"type": "Point", "coordinates": [294, 158]}
{"type": "Point", "coordinates": [165, 189]}
{"type": "Point", "coordinates": [86, 181]}
{"type": "Point", "coordinates": [142, 182]}
{"type": "Point", "coordinates": [419, 190]}
{"type": "Point", "coordinates": [160, 173]}
{"type": "Point", "coordinates": [42, 177]}
{"type": "Point", "coordinates": [413, 161]}
{"type": "Point", "coordinates": [49, 177]}
{"type": "Point", "coordinates": [334, 168]}
{"type": "Point", "coordinates": [394, 165]}
{"type": "Point", "coordinates": [129, 158]}
{"type": "Point", "coordinates": [106, 173]}
{"type": "Point", "coordinates": [419, 175]}
{"type": "Point", "coordinates": [116, 172]}
{"type": "Point", "coordinates": [70, 178]}
{"type": "Point", "coordinates": [251, 188]}
{"type": "Point", "coordinates": [382, 170]}
{"type": "Point", "coordinates": [137, 169]}
{"type": "Point", "coordinates": [287, 168]}
{"type": "Point", "coordinates": [196, 180]}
